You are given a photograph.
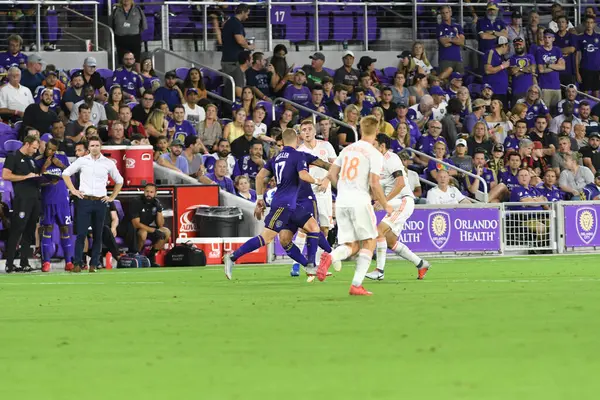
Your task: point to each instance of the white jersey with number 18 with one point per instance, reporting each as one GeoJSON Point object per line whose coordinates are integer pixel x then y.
{"type": "Point", "coordinates": [356, 162]}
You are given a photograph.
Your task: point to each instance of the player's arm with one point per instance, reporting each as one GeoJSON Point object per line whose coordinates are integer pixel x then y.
{"type": "Point", "coordinates": [305, 176]}
{"type": "Point", "coordinates": [321, 164]}
{"type": "Point", "coordinates": [377, 191]}
{"type": "Point", "coordinates": [399, 185]}
{"type": "Point", "coordinates": [8, 175]}
{"type": "Point", "coordinates": [334, 173]}
{"type": "Point", "coordinates": [261, 179]}
{"type": "Point", "coordinates": [160, 220]}
{"type": "Point", "coordinates": [138, 225]}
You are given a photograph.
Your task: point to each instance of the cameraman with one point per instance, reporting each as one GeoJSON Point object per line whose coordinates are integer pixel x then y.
{"type": "Point", "coordinates": [147, 222]}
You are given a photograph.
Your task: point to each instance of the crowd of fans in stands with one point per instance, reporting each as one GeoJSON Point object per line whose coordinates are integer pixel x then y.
{"type": "Point", "coordinates": [518, 118]}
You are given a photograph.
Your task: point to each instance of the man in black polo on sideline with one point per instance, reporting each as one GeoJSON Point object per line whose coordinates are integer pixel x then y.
{"type": "Point", "coordinates": [147, 222]}
{"type": "Point", "coordinates": [94, 169]}
{"type": "Point", "coordinates": [19, 168]}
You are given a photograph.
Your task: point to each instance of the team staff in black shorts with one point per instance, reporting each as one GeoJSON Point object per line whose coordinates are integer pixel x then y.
{"type": "Point", "coordinates": [19, 168]}
{"type": "Point", "coordinates": [147, 222]}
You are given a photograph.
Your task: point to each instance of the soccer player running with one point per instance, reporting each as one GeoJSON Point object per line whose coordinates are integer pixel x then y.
{"type": "Point", "coordinates": [356, 173]}
{"type": "Point", "coordinates": [56, 206]}
{"type": "Point", "coordinates": [312, 198]}
{"type": "Point", "coordinates": [289, 167]}
{"type": "Point", "coordinates": [402, 199]}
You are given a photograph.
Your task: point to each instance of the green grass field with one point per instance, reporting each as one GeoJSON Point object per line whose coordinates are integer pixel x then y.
{"type": "Point", "coordinates": [501, 328]}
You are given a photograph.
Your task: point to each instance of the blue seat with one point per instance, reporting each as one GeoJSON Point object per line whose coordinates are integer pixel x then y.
{"type": "Point", "coordinates": [46, 137]}
{"type": "Point", "coordinates": [107, 74]}
{"type": "Point", "coordinates": [182, 72]}
{"type": "Point", "coordinates": [12, 145]}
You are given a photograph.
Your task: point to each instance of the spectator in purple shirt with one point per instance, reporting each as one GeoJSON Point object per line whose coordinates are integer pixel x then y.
{"type": "Point", "coordinates": [250, 164]}
{"type": "Point", "coordinates": [490, 28]}
{"type": "Point", "coordinates": [402, 116]}
{"type": "Point", "coordinates": [522, 68]}
{"type": "Point", "coordinates": [478, 107]}
{"type": "Point", "coordinates": [512, 141]}
{"type": "Point", "coordinates": [525, 193]}
{"type": "Point", "coordinates": [179, 126]}
{"type": "Point", "coordinates": [550, 62]}
{"type": "Point", "coordinates": [426, 142]}
{"type": "Point", "coordinates": [479, 169]}
{"type": "Point", "coordinates": [587, 60]}
{"type": "Point", "coordinates": [535, 106]}
{"type": "Point", "coordinates": [592, 190]}
{"type": "Point", "coordinates": [219, 176]}
{"type": "Point", "coordinates": [450, 37]}
{"type": "Point", "coordinates": [131, 82]}
{"type": "Point", "coordinates": [440, 153]}
{"type": "Point", "coordinates": [548, 188]}
{"type": "Point", "coordinates": [456, 82]}
{"type": "Point", "coordinates": [296, 92]}
{"type": "Point", "coordinates": [335, 108]}
{"type": "Point", "coordinates": [566, 41]}
{"type": "Point", "coordinates": [13, 56]}
{"type": "Point", "coordinates": [495, 73]}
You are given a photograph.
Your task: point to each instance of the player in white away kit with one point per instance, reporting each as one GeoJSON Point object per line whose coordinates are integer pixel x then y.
{"type": "Point", "coordinates": [401, 198]}
{"type": "Point", "coordinates": [323, 150]}
{"type": "Point", "coordinates": [355, 173]}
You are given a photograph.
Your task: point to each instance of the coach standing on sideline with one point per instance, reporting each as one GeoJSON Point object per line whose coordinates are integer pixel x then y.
{"type": "Point", "coordinates": [94, 170]}
{"type": "Point", "coordinates": [20, 169]}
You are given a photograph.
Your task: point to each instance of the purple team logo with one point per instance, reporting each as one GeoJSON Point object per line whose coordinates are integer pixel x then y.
{"type": "Point", "coordinates": [439, 228]}
{"type": "Point", "coordinates": [587, 223]}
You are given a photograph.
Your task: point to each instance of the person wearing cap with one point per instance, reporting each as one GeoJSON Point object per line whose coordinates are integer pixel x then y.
{"type": "Point", "coordinates": [31, 76]}
{"type": "Point", "coordinates": [495, 70]}
{"type": "Point", "coordinates": [450, 39]}
{"type": "Point", "coordinates": [39, 116]}
{"type": "Point", "coordinates": [14, 97]}
{"type": "Point", "coordinates": [130, 81]}
{"type": "Point", "coordinates": [366, 65]}
{"type": "Point", "coordinates": [490, 28]}
{"type": "Point", "coordinates": [515, 30]}
{"type": "Point", "coordinates": [170, 93]}
{"type": "Point", "coordinates": [566, 115]}
{"type": "Point", "coordinates": [128, 22]}
{"type": "Point", "coordinates": [592, 190]}
{"type": "Point", "coordinates": [455, 82]}
{"type": "Point", "coordinates": [98, 112]}
{"type": "Point", "coordinates": [478, 107]}
{"type": "Point", "coordinates": [59, 82]}
{"type": "Point", "coordinates": [587, 60]}
{"type": "Point", "coordinates": [74, 93]}
{"type": "Point", "coordinates": [92, 77]}
{"type": "Point", "coordinates": [522, 68]}
{"type": "Point", "coordinates": [315, 72]}
{"type": "Point", "coordinates": [194, 114]}
{"type": "Point", "coordinates": [13, 57]}
{"type": "Point", "coordinates": [50, 83]}
{"type": "Point", "coordinates": [408, 67]}
{"type": "Point", "coordinates": [234, 38]}
{"type": "Point", "coordinates": [591, 152]}
{"type": "Point", "coordinates": [176, 158]}
{"type": "Point", "coordinates": [566, 41]}
{"type": "Point", "coordinates": [571, 97]}
{"type": "Point", "coordinates": [260, 77]}
{"type": "Point", "coordinates": [460, 158]}
{"type": "Point", "coordinates": [574, 178]}
{"type": "Point", "coordinates": [297, 92]}
{"type": "Point", "coordinates": [402, 116]}
{"type": "Point", "coordinates": [347, 75]}
{"type": "Point", "coordinates": [550, 62]}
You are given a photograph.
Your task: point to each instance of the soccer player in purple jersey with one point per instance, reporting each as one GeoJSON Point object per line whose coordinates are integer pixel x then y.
{"type": "Point", "coordinates": [56, 207]}
{"type": "Point", "coordinates": [289, 167]}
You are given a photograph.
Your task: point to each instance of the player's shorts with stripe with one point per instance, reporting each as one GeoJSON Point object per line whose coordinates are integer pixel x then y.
{"type": "Point", "coordinates": [403, 209]}
{"type": "Point", "coordinates": [325, 207]}
{"type": "Point", "coordinates": [356, 223]}
{"type": "Point", "coordinates": [280, 218]}
{"type": "Point", "coordinates": [59, 214]}
{"type": "Point", "coordinates": [310, 206]}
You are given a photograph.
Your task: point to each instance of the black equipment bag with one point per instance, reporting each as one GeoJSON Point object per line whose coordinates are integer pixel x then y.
{"type": "Point", "coordinates": [133, 261]}
{"type": "Point", "coordinates": [185, 255]}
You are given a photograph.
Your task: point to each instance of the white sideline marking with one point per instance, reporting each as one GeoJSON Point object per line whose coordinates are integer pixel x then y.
{"type": "Point", "coordinates": [80, 283]}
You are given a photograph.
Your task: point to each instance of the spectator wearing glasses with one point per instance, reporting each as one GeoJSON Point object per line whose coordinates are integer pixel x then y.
{"type": "Point", "coordinates": [131, 82]}
{"type": "Point", "coordinates": [92, 77]}
{"type": "Point", "coordinates": [535, 106]}
{"type": "Point", "coordinates": [427, 142]}
{"type": "Point", "coordinates": [142, 110]}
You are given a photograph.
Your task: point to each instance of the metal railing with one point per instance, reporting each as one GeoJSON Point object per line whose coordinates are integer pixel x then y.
{"type": "Point", "coordinates": [483, 197]}
{"type": "Point", "coordinates": [314, 113]}
{"type": "Point", "coordinates": [196, 64]}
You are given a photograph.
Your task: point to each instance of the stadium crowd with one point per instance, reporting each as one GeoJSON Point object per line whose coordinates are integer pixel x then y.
{"type": "Point", "coordinates": [517, 117]}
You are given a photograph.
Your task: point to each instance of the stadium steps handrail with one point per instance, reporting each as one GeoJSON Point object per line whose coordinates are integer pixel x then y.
{"type": "Point", "coordinates": [483, 197]}
{"type": "Point", "coordinates": [304, 108]}
{"type": "Point", "coordinates": [580, 93]}
{"type": "Point", "coordinates": [96, 22]}
{"type": "Point", "coordinates": [199, 65]}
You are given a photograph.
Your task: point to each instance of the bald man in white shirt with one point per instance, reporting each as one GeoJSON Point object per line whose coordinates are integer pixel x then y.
{"type": "Point", "coordinates": [443, 193]}
{"type": "Point", "coordinates": [94, 171]}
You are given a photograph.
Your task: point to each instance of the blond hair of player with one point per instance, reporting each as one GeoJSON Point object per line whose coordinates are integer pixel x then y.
{"type": "Point", "coordinates": [356, 174]}
{"type": "Point", "coordinates": [402, 199]}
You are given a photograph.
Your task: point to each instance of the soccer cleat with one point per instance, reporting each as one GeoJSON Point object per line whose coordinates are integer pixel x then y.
{"type": "Point", "coordinates": [337, 266]}
{"type": "Point", "coordinates": [324, 265]}
{"type": "Point", "coordinates": [26, 268]}
{"type": "Point", "coordinates": [12, 268]}
{"type": "Point", "coordinates": [359, 291]}
{"type": "Point", "coordinates": [228, 265]}
{"type": "Point", "coordinates": [69, 267]}
{"type": "Point", "coordinates": [295, 271]}
{"type": "Point", "coordinates": [92, 269]}
{"type": "Point", "coordinates": [376, 275]}
{"type": "Point", "coordinates": [422, 269]}
{"type": "Point", "coordinates": [310, 269]}
{"type": "Point", "coordinates": [46, 266]}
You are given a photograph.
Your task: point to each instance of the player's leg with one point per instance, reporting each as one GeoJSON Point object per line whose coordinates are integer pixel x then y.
{"type": "Point", "coordinates": [312, 239]}
{"type": "Point", "coordinates": [142, 236]}
{"type": "Point", "coordinates": [363, 261]}
{"type": "Point", "coordinates": [64, 219]}
{"type": "Point", "coordinates": [97, 222]}
{"type": "Point", "coordinates": [285, 239]}
{"type": "Point", "coordinates": [299, 242]}
{"type": "Point", "coordinates": [47, 247]}
{"type": "Point", "coordinates": [30, 221]}
{"type": "Point", "coordinates": [158, 243]}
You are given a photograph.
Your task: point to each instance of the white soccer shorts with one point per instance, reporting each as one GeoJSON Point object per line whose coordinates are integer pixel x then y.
{"type": "Point", "coordinates": [356, 223]}
{"type": "Point", "coordinates": [325, 208]}
{"type": "Point", "coordinates": [403, 209]}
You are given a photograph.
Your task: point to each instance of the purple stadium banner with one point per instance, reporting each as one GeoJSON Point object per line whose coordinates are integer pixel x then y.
{"type": "Point", "coordinates": [448, 230]}
{"type": "Point", "coordinates": [581, 225]}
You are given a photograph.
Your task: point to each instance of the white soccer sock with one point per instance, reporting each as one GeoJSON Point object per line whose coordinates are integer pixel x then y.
{"type": "Point", "coordinates": [404, 252]}
{"type": "Point", "coordinates": [362, 266]}
{"type": "Point", "coordinates": [300, 241]}
{"type": "Point", "coordinates": [381, 253]}
{"type": "Point", "coordinates": [340, 253]}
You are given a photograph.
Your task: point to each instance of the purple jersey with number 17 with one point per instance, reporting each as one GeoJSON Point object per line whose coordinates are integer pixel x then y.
{"type": "Point", "coordinates": [56, 207]}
